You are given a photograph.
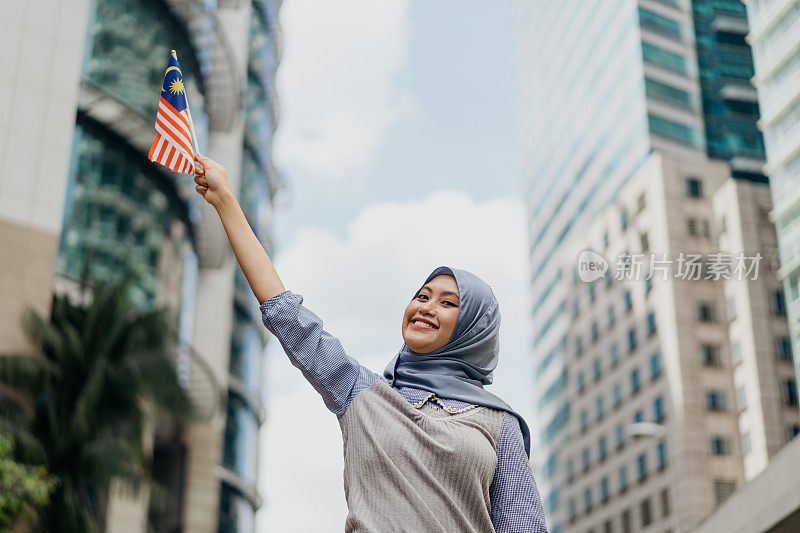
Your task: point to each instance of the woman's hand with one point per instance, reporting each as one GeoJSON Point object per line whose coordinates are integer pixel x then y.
{"type": "Point", "coordinates": [210, 179]}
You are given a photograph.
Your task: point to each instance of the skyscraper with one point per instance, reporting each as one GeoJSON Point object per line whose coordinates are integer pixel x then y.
{"type": "Point", "coordinates": [775, 37]}
{"type": "Point", "coordinates": [91, 72]}
{"type": "Point", "coordinates": [604, 88]}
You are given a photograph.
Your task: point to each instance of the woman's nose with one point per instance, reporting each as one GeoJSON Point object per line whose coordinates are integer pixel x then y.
{"type": "Point", "coordinates": [427, 308]}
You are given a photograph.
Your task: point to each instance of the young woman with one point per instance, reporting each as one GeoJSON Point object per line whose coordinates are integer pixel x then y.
{"type": "Point", "coordinates": [426, 447]}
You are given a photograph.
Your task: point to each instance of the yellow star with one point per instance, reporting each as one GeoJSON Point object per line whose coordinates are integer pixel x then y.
{"type": "Point", "coordinates": [176, 87]}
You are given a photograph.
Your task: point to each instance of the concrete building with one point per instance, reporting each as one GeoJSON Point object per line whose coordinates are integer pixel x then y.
{"type": "Point", "coordinates": [694, 359]}
{"type": "Point", "coordinates": [755, 507]}
{"type": "Point", "coordinates": [605, 90]}
{"type": "Point", "coordinates": [79, 197]}
{"type": "Point", "coordinates": [775, 37]}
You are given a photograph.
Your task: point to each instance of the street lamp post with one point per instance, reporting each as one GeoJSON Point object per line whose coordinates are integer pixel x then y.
{"type": "Point", "coordinates": [653, 430]}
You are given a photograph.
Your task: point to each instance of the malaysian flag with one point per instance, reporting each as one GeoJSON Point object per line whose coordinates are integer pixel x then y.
{"type": "Point", "coordinates": [176, 143]}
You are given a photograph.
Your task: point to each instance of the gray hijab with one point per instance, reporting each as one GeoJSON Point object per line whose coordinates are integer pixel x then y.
{"type": "Point", "coordinates": [460, 368]}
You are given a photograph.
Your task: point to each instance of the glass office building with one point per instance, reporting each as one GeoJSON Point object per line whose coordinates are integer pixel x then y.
{"type": "Point", "coordinates": [775, 37]}
{"type": "Point", "coordinates": [601, 86]}
{"type": "Point", "coordinates": [123, 211]}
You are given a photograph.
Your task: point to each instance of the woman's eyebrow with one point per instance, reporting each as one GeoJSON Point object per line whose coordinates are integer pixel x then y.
{"type": "Point", "coordinates": [445, 293]}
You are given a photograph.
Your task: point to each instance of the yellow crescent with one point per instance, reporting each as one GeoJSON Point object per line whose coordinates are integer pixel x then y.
{"type": "Point", "coordinates": [167, 72]}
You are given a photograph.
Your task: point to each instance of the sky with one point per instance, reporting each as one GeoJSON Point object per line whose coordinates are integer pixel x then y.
{"type": "Point", "coordinates": [397, 142]}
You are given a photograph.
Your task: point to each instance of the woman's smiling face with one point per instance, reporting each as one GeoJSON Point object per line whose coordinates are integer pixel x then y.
{"type": "Point", "coordinates": [430, 318]}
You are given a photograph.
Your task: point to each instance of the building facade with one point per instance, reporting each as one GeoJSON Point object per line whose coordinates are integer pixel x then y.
{"type": "Point", "coordinates": [775, 37]}
{"type": "Point", "coordinates": [102, 207]}
{"type": "Point", "coordinates": [603, 89]}
{"type": "Point", "coordinates": [695, 359]}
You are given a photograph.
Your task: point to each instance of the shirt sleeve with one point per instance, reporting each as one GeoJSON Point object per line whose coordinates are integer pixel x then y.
{"type": "Point", "coordinates": [336, 376]}
{"type": "Point", "coordinates": [515, 502]}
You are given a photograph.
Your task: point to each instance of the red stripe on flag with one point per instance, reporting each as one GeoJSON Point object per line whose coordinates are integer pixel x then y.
{"type": "Point", "coordinates": [174, 111]}
{"type": "Point", "coordinates": [176, 120]}
{"type": "Point", "coordinates": [168, 131]}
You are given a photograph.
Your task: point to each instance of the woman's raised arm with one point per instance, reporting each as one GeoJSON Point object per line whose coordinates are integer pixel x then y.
{"type": "Point", "coordinates": [256, 265]}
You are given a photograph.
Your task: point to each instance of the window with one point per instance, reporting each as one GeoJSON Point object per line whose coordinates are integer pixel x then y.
{"type": "Point", "coordinates": [664, 503]}
{"type": "Point", "coordinates": [661, 455]}
{"type": "Point", "coordinates": [614, 355]}
{"type": "Point", "coordinates": [587, 500]}
{"type": "Point", "coordinates": [602, 449]}
{"type": "Point", "coordinates": [592, 293]}
{"type": "Point", "coordinates": [789, 392]}
{"type": "Point", "coordinates": [635, 381]}
{"type": "Point", "coordinates": [632, 339]}
{"type": "Point", "coordinates": [605, 240]}
{"type": "Point", "coordinates": [585, 458]}
{"type": "Point", "coordinates": [623, 479]}
{"type": "Point", "coordinates": [736, 355]}
{"type": "Point", "coordinates": [581, 383]}
{"type": "Point", "coordinates": [611, 317]}
{"type": "Point", "coordinates": [573, 512]}
{"type": "Point", "coordinates": [599, 408]}
{"type": "Point", "coordinates": [705, 312]}
{"type": "Point", "coordinates": [644, 512]}
{"type": "Point", "coordinates": [648, 285]}
{"type": "Point", "coordinates": [710, 355]}
{"type": "Point", "coordinates": [570, 470]}
{"type": "Point", "coordinates": [595, 331]}
{"type": "Point", "coordinates": [576, 308]}
{"type": "Point", "coordinates": [731, 308]}
{"type": "Point", "coordinates": [619, 431]}
{"type": "Point", "coordinates": [716, 400]}
{"type": "Point", "coordinates": [792, 431]}
{"type": "Point", "coordinates": [584, 420]}
{"type": "Point", "coordinates": [691, 226]}
{"type": "Point", "coordinates": [626, 521]}
{"type": "Point", "coordinates": [628, 300]}
{"type": "Point", "coordinates": [783, 347]}
{"type": "Point", "coordinates": [604, 491]}
{"type": "Point", "coordinates": [694, 188]}
{"type": "Point", "coordinates": [617, 395]}
{"type": "Point", "coordinates": [776, 303]}
{"type": "Point", "coordinates": [597, 370]}
{"type": "Point", "coordinates": [658, 409]}
{"type": "Point", "coordinates": [644, 242]}
{"type": "Point", "coordinates": [667, 93]}
{"type": "Point", "coordinates": [723, 488]}
{"type": "Point", "coordinates": [662, 58]}
{"type": "Point", "coordinates": [651, 324]}
{"type": "Point", "coordinates": [641, 465]}
{"type": "Point", "coordinates": [721, 445]}
{"type": "Point", "coordinates": [655, 366]}
{"type": "Point", "coordinates": [623, 220]}
{"type": "Point", "coordinates": [746, 445]}
{"type": "Point", "coordinates": [578, 345]}
{"type": "Point", "coordinates": [741, 398]}
{"type": "Point", "coordinates": [641, 203]}
{"type": "Point", "coordinates": [638, 416]}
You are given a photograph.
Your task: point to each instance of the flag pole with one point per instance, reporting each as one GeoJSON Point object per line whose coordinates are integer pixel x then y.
{"type": "Point", "coordinates": [196, 146]}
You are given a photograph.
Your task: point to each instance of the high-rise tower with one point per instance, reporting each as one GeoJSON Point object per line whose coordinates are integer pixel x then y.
{"type": "Point", "coordinates": [612, 93]}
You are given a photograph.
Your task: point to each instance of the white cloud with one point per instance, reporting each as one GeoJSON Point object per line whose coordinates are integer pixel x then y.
{"type": "Point", "coordinates": [340, 82]}
{"type": "Point", "coordinates": [360, 286]}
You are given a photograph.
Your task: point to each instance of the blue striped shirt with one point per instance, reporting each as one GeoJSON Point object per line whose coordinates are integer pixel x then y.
{"type": "Point", "coordinates": [338, 378]}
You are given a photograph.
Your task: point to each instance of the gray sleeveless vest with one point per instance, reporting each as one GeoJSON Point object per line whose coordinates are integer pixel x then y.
{"type": "Point", "coordinates": [417, 470]}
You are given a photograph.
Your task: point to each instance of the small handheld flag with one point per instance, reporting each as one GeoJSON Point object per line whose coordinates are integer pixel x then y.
{"type": "Point", "coordinates": [176, 143]}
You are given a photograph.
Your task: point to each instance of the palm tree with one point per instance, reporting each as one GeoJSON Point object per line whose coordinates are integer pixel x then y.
{"type": "Point", "coordinates": [79, 403]}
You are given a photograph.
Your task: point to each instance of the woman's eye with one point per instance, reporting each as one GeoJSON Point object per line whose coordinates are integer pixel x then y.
{"type": "Point", "coordinates": [451, 303]}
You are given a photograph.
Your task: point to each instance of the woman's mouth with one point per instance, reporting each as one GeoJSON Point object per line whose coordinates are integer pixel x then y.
{"type": "Point", "coordinates": [421, 325]}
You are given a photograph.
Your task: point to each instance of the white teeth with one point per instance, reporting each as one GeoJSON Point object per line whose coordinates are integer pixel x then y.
{"type": "Point", "coordinates": [423, 324]}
